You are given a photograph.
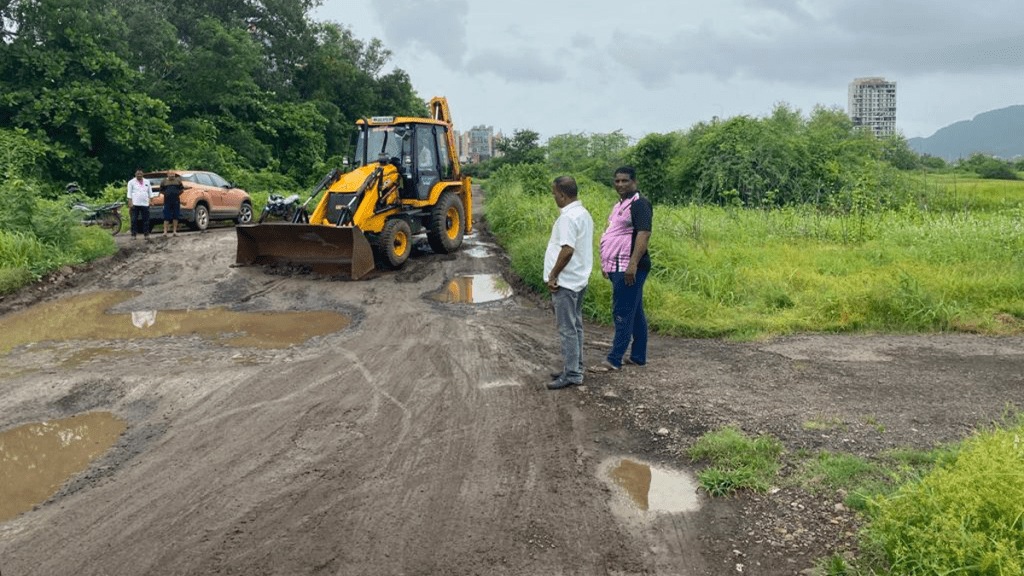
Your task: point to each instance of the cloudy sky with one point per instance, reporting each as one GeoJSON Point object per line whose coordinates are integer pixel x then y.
{"type": "Point", "coordinates": [643, 66]}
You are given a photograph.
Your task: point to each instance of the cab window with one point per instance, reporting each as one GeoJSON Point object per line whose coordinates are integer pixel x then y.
{"type": "Point", "coordinates": [218, 181]}
{"type": "Point", "coordinates": [442, 153]}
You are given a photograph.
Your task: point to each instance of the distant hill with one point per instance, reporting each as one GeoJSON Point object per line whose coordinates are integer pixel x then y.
{"type": "Point", "coordinates": [997, 132]}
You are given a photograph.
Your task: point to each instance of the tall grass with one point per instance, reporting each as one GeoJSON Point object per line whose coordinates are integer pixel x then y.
{"type": "Point", "coordinates": [741, 273]}
{"type": "Point", "coordinates": [966, 517]}
{"type": "Point", "coordinates": [38, 236]}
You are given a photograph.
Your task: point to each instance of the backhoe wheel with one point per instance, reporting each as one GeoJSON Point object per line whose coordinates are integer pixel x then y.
{"type": "Point", "coordinates": [447, 223]}
{"type": "Point", "coordinates": [395, 243]}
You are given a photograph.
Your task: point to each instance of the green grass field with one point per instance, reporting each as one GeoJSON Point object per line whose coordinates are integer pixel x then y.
{"type": "Point", "coordinates": [951, 261]}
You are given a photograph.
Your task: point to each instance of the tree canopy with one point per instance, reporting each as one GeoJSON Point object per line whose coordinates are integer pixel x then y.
{"type": "Point", "coordinates": [236, 86]}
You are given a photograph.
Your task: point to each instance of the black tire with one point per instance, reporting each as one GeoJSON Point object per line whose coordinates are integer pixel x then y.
{"type": "Point", "coordinates": [447, 223]}
{"type": "Point", "coordinates": [244, 214]}
{"type": "Point", "coordinates": [200, 218]}
{"type": "Point", "coordinates": [111, 221]}
{"type": "Point", "coordinates": [394, 244]}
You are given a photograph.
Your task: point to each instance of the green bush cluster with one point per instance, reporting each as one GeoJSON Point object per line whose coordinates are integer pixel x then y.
{"type": "Point", "coordinates": [965, 517]}
{"type": "Point", "coordinates": [779, 160]}
{"type": "Point", "coordinates": [38, 235]}
{"type": "Point", "coordinates": [737, 462]}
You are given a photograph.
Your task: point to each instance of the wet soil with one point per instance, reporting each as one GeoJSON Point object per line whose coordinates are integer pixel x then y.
{"type": "Point", "coordinates": [416, 436]}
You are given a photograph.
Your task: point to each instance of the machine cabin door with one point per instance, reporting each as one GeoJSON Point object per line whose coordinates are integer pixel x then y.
{"type": "Point", "coordinates": [432, 160]}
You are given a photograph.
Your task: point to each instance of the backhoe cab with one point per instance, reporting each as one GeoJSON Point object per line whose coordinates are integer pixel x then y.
{"type": "Point", "coordinates": [406, 180]}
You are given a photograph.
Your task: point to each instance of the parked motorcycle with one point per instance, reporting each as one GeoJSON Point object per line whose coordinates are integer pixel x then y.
{"type": "Point", "coordinates": [282, 208]}
{"type": "Point", "coordinates": [107, 216]}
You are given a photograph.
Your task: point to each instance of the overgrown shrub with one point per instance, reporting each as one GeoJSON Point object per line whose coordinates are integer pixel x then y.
{"type": "Point", "coordinates": [966, 517]}
{"type": "Point", "coordinates": [534, 179]}
{"type": "Point", "coordinates": [38, 236]}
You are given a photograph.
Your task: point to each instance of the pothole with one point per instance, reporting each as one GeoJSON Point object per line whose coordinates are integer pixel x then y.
{"type": "Point", "coordinates": [38, 458]}
{"type": "Point", "coordinates": [649, 489]}
{"type": "Point", "coordinates": [474, 289]}
{"type": "Point", "coordinates": [84, 317]}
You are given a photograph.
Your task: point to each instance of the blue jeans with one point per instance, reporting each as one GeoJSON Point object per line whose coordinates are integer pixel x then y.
{"type": "Point", "coordinates": [569, 318]}
{"type": "Point", "coordinates": [630, 321]}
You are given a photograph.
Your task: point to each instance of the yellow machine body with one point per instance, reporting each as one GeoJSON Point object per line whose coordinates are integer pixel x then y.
{"type": "Point", "coordinates": [407, 180]}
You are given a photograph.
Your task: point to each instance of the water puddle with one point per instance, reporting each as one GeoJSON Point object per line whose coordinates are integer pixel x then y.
{"type": "Point", "coordinates": [652, 489]}
{"type": "Point", "coordinates": [84, 317]}
{"type": "Point", "coordinates": [477, 252]}
{"type": "Point", "coordinates": [86, 355]}
{"type": "Point", "coordinates": [36, 459]}
{"type": "Point", "coordinates": [474, 289]}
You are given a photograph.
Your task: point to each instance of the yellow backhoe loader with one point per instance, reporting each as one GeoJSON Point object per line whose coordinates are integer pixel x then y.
{"type": "Point", "coordinates": [406, 180]}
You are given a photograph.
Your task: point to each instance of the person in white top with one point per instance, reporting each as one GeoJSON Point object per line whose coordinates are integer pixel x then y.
{"type": "Point", "coordinates": [139, 193]}
{"type": "Point", "coordinates": [568, 261]}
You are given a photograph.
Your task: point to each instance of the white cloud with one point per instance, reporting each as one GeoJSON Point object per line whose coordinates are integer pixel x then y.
{"type": "Point", "coordinates": [559, 66]}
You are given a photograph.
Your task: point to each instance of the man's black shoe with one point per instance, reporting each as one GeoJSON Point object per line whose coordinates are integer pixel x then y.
{"type": "Point", "coordinates": [560, 383]}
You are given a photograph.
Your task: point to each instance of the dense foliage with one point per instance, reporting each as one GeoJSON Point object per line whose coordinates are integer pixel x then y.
{"type": "Point", "coordinates": [240, 87]}
{"type": "Point", "coordinates": [964, 517]}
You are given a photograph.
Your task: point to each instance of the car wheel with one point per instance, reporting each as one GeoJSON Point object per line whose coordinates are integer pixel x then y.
{"type": "Point", "coordinates": [201, 218]}
{"type": "Point", "coordinates": [244, 214]}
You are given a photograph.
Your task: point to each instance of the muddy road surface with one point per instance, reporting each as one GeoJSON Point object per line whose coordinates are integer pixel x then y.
{"type": "Point", "coordinates": [274, 422]}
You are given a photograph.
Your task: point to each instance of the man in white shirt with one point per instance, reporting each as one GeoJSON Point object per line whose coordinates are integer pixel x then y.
{"type": "Point", "coordinates": [139, 193]}
{"type": "Point", "coordinates": [568, 260]}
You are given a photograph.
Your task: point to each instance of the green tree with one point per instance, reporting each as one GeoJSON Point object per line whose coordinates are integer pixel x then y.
{"type": "Point", "coordinates": [989, 167]}
{"type": "Point", "coordinates": [522, 148]}
{"type": "Point", "coordinates": [62, 80]}
{"type": "Point", "coordinates": [595, 156]}
{"type": "Point", "coordinates": [654, 158]}
{"type": "Point", "coordinates": [932, 162]}
{"type": "Point", "coordinates": [897, 152]}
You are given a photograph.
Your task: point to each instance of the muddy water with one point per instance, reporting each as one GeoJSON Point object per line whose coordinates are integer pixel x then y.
{"type": "Point", "coordinates": [652, 489]}
{"type": "Point", "coordinates": [84, 317]}
{"type": "Point", "coordinates": [474, 289]}
{"type": "Point", "coordinates": [36, 459]}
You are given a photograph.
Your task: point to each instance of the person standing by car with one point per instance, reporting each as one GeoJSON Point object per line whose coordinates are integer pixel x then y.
{"type": "Point", "coordinates": [625, 261]}
{"type": "Point", "coordinates": [568, 260]}
{"type": "Point", "coordinates": [172, 188]}
{"type": "Point", "coordinates": [139, 193]}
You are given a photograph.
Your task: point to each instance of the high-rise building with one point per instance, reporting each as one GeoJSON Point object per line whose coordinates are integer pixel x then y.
{"type": "Point", "coordinates": [476, 144]}
{"type": "Point", "coordinates": [872, 104]}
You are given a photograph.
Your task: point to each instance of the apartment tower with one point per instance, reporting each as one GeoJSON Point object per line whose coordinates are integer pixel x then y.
{"type": "Point", "coordinates": [872, 104]}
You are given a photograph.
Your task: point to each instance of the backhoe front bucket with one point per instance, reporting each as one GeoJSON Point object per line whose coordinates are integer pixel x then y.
{"type": "Point", "coordinates": [327, 249]}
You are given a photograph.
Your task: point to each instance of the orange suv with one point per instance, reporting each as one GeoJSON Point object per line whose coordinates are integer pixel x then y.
{"type": "Point", "coordinates": [207, 197]}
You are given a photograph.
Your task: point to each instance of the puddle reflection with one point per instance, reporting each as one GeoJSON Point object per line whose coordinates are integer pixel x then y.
{"type": "Point", "coordinates": [36, 459]}
{"type": "Point", "coordinates": [84, 317]}
{"type": "Point", "coordinates": [474, 289]}
{"type": "Point", "coordinates": [654, 489]}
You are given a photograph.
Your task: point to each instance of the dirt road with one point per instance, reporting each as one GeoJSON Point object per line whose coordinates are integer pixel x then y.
{"type": "Point", "coordinates": [391, 432]}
